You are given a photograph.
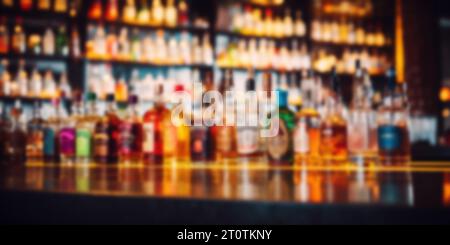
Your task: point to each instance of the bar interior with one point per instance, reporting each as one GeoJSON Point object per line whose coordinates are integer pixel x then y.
{"type": "Point", "coordinates": [224, 112]}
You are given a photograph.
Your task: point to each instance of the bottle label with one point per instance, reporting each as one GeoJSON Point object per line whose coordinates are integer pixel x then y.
{"type": "Point", "coordinates": [248, 141]}
{"type": "Point", "coordinates": [149, 143]}
{"type": "Point", "coordinates": [101, 145]}
{"type": "Point", "coordinates": [49, 142]}
{"type": "Point", "coordinates": [389, 138]}
{"type": "Point", "coordinates": [67, 141]}
{"type": "Point", "coordinates": [301, 138]}
{"type": "Point", "coordinates": [278, 146]}
{"type": "Point", "coordinates": [83, 143]}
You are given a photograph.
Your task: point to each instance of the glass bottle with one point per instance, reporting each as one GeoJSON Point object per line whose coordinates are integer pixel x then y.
{"type": "Point", "coordinates": [171, 14]}
{"type": "Point", "coordinates": [226, 142]}
{"type": "Point", "coordinates": [143, 15]}
{"type": "Point", "coordinates": [280, 147]}
{"type": "Point", "coordinates": [202, 143]}
{"type": "Point", "coordinates": [4, 37]}
{"type": "Point", "coordinates": [26, 5]}
{"type": "Point", "coordinates": [113, 122]}
{"type": "Point", "coordinates": [67, 133]}
{"type": "Point", "coordinates": [131, 134]}
{"type": "Point", "coordinates": [129, 12]}
{"type": "Point", "coordinates": [51, 132]}
{"type": "Point", "coordinates": [300, 27]}
{"type": "Point", "coordinates": [183, 13]}
{"type": "Point", "coordinates": [18, 39]}
{"type": "Point", "coordinates": [307, 132]}
{"type": "Point", "coordinates": [248, 135]}
{"type": "Point", "coordinates": [154, 131]}
{"type": "Point", "coordinates": [44, 5]}
{"type": "Point", "coordinates": [35, 135]}
{"type": "Point", "coordinates": [362, 121]}
{"type": "Point", "coordinates": [333, 130]}
{"type": "Point", "coordinates": [85, 130]}
{"type": "Point", "coordinates": [15, 142]}
{"type": "Point", "coordinates": [49, 42]}
{"type": "Point", "coordinates": [112, 10]}
{"type": "Point", "coordinates": [157, 13]}
{"type": "Point", "coordinates": [62, 42]}
{"type": "Point", "coordinates": [182, 152]}
{"type": "Point", "coordinates": [60, 6]}
{"type": "Point", "coordinates": [393, 132]}
{"type": "Point", "coordinates": [3, 132]}
{"type": "Point", "coordinates": [95, 10]}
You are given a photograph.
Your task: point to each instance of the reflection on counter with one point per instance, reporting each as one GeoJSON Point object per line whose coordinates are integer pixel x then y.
{"type": "Point", "coordinates": [228, 181]}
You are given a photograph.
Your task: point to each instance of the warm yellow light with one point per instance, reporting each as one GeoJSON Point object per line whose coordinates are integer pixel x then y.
{"type": "Point", "coordinates": [444, 95]}
{"type": "Point", "coordinates": [446, 113]}
{"type": "Point", "coordinates": [399, 42]}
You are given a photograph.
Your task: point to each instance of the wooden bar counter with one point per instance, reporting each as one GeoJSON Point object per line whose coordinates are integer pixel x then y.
{"type": "Point", "coordinates": [225, 193]}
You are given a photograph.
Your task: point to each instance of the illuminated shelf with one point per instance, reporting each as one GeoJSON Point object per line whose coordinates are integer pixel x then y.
{"type": "Point", "coordinates": [237, 35]}
{"type": "Point", "coordinates": [41, 57]}
{"type": "Point", "coordinates": [144, 64]}
{"type": "Point", "coordinates": [118, 25]}
{"type": "Point", "coordinates": [331, 45]}
{"type": "Point", "coordinates": [28, 100]}
{"type": "Point", "coordinates": [257, 69]}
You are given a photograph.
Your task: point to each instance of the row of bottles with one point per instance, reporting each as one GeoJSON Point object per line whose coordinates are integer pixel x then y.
{"type": "Point", "coordinates": [264, 54]}
{"type": "Point", "coordinates": [247, 20]}
{"type": "Point", "coordinates": [348, 32]}
{"type": "Point", "coordinates": [34, 85]}
{"type": "Point", "coordinates": [102, 81]}
{"type": "Point", "coordinates": [375, 62]}
{"type": "Point", "coordinates": [324, 131]}
{"type": "Point", "coordinates": [155, 47]}
{"type": "Point", "coordinates": [58, 6]}
{"type": "Point", "coordinates": [53, 41]}
{"type": "Point", "coordinates": [130, 12]}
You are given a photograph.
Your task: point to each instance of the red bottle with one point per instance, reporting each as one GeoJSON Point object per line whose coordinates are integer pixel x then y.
{"type": "Point", "coordinates": [153, 131]}
{"type": "Point", "coordinates": [95, 11]}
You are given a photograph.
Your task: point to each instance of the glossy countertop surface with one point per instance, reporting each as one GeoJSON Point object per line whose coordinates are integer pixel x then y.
{"type": "Point", "coordinates": [421, 184]}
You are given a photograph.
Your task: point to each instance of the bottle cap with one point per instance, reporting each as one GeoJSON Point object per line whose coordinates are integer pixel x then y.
{"type": "Point", "coordinates": [110, 97]}
{"type": "Point", "coordinates": [91, 96]}
{"type": "Point", "coordinates": [133, 100]}
{"type": "Point", "coordinates": [282, 98]}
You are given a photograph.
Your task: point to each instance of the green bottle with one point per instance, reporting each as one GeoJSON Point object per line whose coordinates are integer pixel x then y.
{"type": "Point", "coordinates": [62, 42]}
{"type": "Point", "coordinates": [280, 147]}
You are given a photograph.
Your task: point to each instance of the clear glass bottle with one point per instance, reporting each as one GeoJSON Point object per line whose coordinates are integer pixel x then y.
{"type": "Point", "coordinates": [226, 143]}
{"type": "Point", "coordinates": [333, 130]}
{"type": "Point", "coordinates": [362, 126]}
{"type": "Point", "coordinates": [248, 135]}
{"type": "Point", "coordinates": [307, 132]}
{"type": "Point", "coordinates": [393, 133]}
